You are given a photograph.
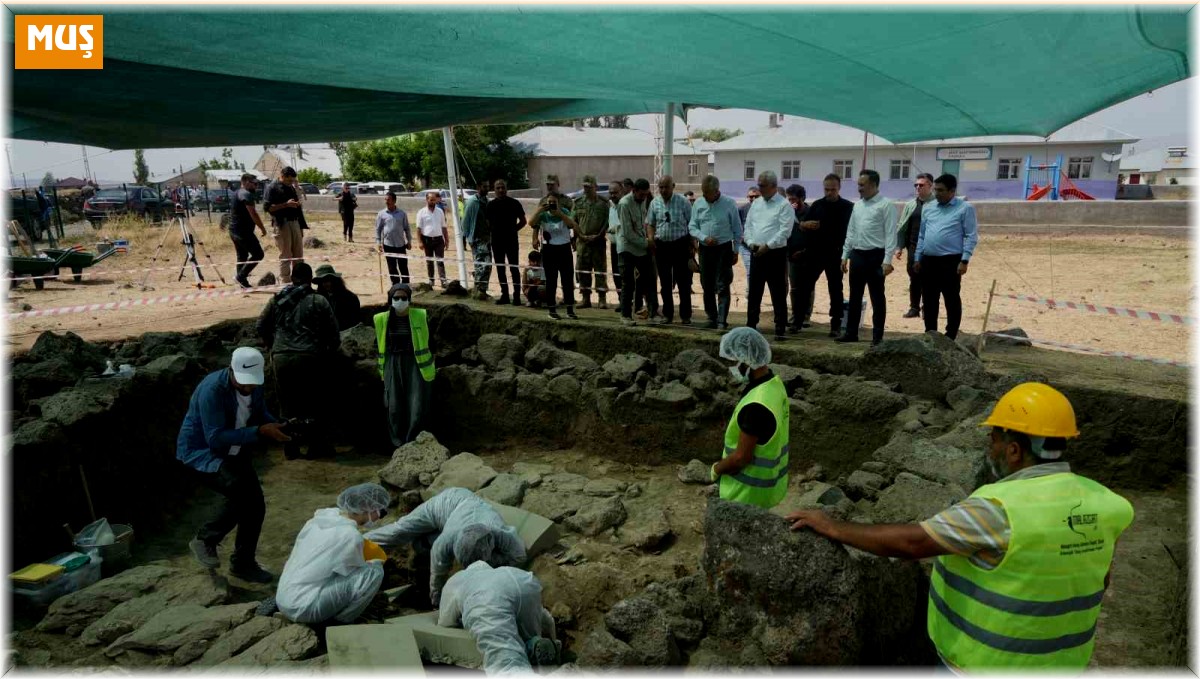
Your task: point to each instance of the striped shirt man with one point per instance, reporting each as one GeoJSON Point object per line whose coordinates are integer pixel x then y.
{"type": "Point", "coordinates": [671, 221]}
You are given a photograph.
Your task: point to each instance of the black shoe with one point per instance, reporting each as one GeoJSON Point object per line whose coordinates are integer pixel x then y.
{"type": "Point", "coordinates": [844, 339]}
{"type": "Point", "coordinates": [205, 553]}
{"type": "Point", "coordinates": [571, 313]}
{"type": "Point", "coordinates": [779, 337]}
{"type": "Point", "coordinates": [245, 284]}
{"type": "Point", "coordinates": [516, 300]}
{"type": "Point", "coordinates": [806, 324]}
{"type": "Point", "coordinates": [722, 326]}
{"type": "Point", "coordinates": [875, 342]}
{"type": "Point", "coordinates": [554, 315]}
{"type": "Point", "coordinates": [503, 300]}
{"type": "Point", "coordinates": [912, 313]}
{"type": "Point", "coordinates": [835, 331]}
{"type": "Point", "coordinates": [252, 573]}
{"type": "Point", "coordinates": [267, 608]}
{"type": "Point", "coordinates": [291, 451]}
{"type": "Point", "coordinates": [793, 329]}
{"type": "Point", "coordinates": [686, 321]}
{"type": "Point", "coordinates": [711, 325]}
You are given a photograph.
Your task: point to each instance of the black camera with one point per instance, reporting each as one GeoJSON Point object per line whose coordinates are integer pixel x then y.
{"type": "Point", "coordinates": [299, 428]}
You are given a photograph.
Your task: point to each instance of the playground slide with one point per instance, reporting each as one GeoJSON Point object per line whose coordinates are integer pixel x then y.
{"type": "Point", "coordinates": [1038, 193]}
{"type": "Point", "coordinates": [1074, 192]}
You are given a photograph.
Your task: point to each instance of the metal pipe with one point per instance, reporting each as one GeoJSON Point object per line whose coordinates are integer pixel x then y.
{"type": "Point", "coordinates": [452, 206]}
{"type": "Point", "coordinates": [668, 140]}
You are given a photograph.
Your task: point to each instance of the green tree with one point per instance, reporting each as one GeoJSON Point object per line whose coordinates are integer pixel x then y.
{"type": "Point", "coordinates": [225, 162]}
{"type": "Point", "coordinates": [716, 134]}
{"type": "Point", "coordinates": [141, 171]}
{"type": "Point", "coordinates": [49, 180]}
{"type": "Point", "coordinates": [616, 122]}
{"type": "Point", "coordinates": [314, 176]}
{"type": "Point", "coordinates": [483, 152]}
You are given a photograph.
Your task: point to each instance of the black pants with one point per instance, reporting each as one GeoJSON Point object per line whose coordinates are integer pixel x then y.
{"type": "Point", "coordinates": [914, 280]}
{"type": "Point", "coordinates": [436, 248]}
{"type": "Point", "coordinates": [939, 277]}
{"type": "Point", "coordinates": [769, 270]}
{"type": "Point", "coordinates": [671, 259]}
{"type": "Point", "coordinates": [504, 254]}
{"type": "Point", "coordinates": [348, 226]}
{"type": "Point", "coordinates": [811, 266]}
{"type": "Point", "coordinates": [242, 507]}
{"type": "Point", "coordinates": [249, 254]}
{"type": "Point", "coordinates": [559, 264]}
{"type": "Point", "coordinates": [796, 319]}
{"type": "Point", "coordinates": [397, 266]}
{"type": "Point", "coordinates": [716, 275]}
{"type": "Point", "coordinates": [300, 380]}
{"type": "Point", "coordinates": [616, 265]}
{"type": "Point", "coordinates": [644, 268]}
{"type": "Point", "coordinates": [866, 271]}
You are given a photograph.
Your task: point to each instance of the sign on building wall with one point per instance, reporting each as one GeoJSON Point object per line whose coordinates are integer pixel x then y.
{"type": "Point", "coordinates": [964, 153]}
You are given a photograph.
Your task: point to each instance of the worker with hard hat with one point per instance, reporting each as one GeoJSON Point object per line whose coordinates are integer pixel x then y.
{"type": "Point", "coordinates": [754, 462]}
{"type": "Point", "coordinates": [1023, 563]}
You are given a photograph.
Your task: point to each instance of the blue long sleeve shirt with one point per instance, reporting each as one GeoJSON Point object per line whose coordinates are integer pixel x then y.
{"type": "Point", "coordinates": [949, 229]}
{"type": "Point", "coordinates": [208, 429]}
{"type": "Point", "coordinates": [719, 220]}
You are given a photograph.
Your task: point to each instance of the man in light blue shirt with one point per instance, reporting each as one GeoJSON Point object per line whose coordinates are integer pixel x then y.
{"type": "Point", "coordinates": [716, 227]}
{"type": "Point", "coordinates": [867, 255]}
{"type": "Point", "coordinates": [949, 234]}
{"type": "Point", "coordinates": [478, 235]}
{"type": "Point", "coordinates": [766, 230]}
{"type": "Point", "coordinates": [667, 227]}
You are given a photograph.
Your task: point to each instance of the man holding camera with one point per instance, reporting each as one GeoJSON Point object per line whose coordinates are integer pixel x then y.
{"type": "Point", "coordinates": [301, 330]}
{"type": "Point", "coordinates": [226, 416]}
{"type": "Point", "coordinates": [553, 229]}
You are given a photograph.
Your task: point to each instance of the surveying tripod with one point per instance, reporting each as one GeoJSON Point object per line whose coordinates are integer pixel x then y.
{"type": "Point", "coordinates": [189, 243]}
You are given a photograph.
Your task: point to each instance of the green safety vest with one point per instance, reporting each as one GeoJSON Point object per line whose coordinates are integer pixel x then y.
{"type": "Point", "coordinates": [1038, 608]}
{"type": "Point", "coordinates": [763, 482]}
{"type": "Point", "coordinates": [420, 334]}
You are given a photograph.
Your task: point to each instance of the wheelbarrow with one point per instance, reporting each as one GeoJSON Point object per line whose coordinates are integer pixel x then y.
{"type": "Point", "coordinates": [77, 260]}
{"type": "Point", "coordinates": [36, 267]}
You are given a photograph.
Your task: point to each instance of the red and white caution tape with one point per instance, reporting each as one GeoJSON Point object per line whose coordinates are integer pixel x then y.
{"type": "Point", "coordinates": [1092, 350]}
{"type": "Point", "coordinates": [132, 303]}
{"type": "Point", "coordinates": [1121, 312]}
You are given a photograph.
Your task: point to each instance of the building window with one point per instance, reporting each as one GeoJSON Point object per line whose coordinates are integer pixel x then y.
{"type": "Point", "coordinates": [748, 174]}
{"type": "Point", "coordinates": [1010, 168]}
{"type": "Point", "coordinates": [844, 168]}
{"type": "Point", "coordinates": [791, 169]}
{"type": "Point", "coordinates": [1176, 151]}
{"type": "Point", "coordinates": [1079, 168]}
{"type": "Point", "coordinates": [693, 168]}
{"type": "Point", "coordinates": [901, 169]}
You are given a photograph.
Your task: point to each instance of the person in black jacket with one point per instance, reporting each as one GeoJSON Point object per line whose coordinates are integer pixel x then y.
{"type": "Point", "coordinates": [345, 304]}
{"type": "Point", "coordinates": [823, 233]}
{"type": "Point", "coordinates": [300, 328]}
{"type": "Point", "coordinates": [800, 315]}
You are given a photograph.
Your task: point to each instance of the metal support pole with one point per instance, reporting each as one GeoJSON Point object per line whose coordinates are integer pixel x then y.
{"type": "Point", "coordinates": [668, 139]}
{"type": "Point", "coordinates": [452, 205]}
{"type": "Point", "coordinates": [982, 341]}
{"type": "Point", "coordinates": [57, 210]}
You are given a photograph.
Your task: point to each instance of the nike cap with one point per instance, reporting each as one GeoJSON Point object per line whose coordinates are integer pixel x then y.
{"type": "Point", "coordinates": [247, 366]}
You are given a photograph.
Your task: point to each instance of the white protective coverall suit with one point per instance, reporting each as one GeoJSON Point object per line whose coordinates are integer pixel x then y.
{"type": "Point", "coordinates": [326, 576]}
{"type": "Point", "coordinates": [463, 527]}
{"type": "Point", "coordinates": [502, 609]}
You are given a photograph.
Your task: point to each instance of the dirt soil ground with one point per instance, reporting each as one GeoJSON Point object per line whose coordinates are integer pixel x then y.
{"type": "Point", "coordinates": [1144, 272]}
{"type": "Point", "coordinates": [1134, 628]}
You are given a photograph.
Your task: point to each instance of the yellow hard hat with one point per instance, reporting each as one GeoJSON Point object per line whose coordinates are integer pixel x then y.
{"type": "Point", "coordinates": [1034, 409]}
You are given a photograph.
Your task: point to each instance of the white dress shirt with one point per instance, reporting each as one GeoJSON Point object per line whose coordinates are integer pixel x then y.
{"type": "Point", "coordinates": [872, 227]}
{"type": "Point", "coordinates": [769, 222]}
{"type": "Point", "coordinates": [431, 224]}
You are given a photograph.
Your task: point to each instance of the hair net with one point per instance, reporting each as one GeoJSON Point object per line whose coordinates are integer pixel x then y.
{"type": "Point", "coordinates": [396, 287]}
{"type": "Point", "coordinates": [476, 542]}
{"type": "Point", "coordinates": [746, 345]}
{"type": "Point", "coordinates": [364, 499]}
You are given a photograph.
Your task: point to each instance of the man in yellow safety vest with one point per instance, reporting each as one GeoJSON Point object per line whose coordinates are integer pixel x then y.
{"type": "Point", "coordinates": [1023, 563]}
{"type": "Point", "coordinates": [405, 364]}
{"type": "Point", "coordinates": [754, 463]}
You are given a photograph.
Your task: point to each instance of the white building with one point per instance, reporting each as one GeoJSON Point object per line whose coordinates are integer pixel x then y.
{"type": "Point", "coordinates": [804, 151]}
{"type": "Point", "coordinates": [1169, 165]}
{"type": "Point", "coordinates": [572, 152]}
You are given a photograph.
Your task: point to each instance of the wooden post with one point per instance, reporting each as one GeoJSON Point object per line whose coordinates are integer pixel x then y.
{"type": "Point", "coordinates": [986, 315]}
{"type": "Point", "coordinates": [380, 271]}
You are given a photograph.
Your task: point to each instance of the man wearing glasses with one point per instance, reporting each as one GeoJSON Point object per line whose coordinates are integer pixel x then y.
{"type": "Point", "coordinates": [907, 235]}
{"type": "Point", "coordinates": [949, 234]}
{"type": "Point", "coordinates": [768, 225]}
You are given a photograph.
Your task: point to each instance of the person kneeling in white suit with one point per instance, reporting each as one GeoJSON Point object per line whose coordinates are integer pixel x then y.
{"type": "Point", "coordinates": [502, 609]}
{"type": "Point", "coordinates": [333, 573]}
{"type": "Point", "coordinates": [456, 525]}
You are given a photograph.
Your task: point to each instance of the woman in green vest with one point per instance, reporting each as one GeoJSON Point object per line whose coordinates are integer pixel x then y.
{"type": "Point", "coordinates": [1023, 563]}
{"type": "Point", "coordinates": [754, 462]}
{"type": "Point", "coordinates": [405, 364]}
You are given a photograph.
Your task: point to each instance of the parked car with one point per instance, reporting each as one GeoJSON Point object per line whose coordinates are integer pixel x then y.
{"type": "Point", "coordinates": [309, 189]}
{"type": "Point", "coordinates": [336, 187]}
{"type": "Point", "coordinates": [142, 201]}
{"type": "Point", "coordinates": [381, 188]}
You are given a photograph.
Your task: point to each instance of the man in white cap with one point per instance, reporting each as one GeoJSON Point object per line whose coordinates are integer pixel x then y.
{"type": "Point", "coordinates": [226, 416]}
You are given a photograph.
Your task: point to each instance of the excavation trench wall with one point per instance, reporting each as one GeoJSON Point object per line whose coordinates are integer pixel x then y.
{"type": "Point", "coordinates": [648, 395]}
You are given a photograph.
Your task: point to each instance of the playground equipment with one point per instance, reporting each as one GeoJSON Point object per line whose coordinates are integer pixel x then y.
{"type": "Point", "coordinates": [1049, 179]}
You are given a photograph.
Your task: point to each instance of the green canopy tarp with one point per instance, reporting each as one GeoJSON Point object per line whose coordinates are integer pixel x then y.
{"type": "Point", "coordinates": [191, 76]}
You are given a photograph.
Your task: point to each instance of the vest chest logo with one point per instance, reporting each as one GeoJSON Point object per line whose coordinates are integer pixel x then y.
{"type": "Point", "coordinates": [1085, 526]}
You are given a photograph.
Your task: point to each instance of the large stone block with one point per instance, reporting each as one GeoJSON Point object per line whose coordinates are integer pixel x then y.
{"type": "Point", "coordinates": [464, 470]}
{"type": "Point", "coordinates": [928, 365]}
{"type": "Point", "coordinates": [422, 457]}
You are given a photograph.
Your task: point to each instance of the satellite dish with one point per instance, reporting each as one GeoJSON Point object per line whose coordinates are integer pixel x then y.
{"type": "Point", "coordinates": [1109, 157]}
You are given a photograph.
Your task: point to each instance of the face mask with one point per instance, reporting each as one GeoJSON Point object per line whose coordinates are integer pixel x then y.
{"type": "Point", "coordinates": [738, 375]}
{"type": "Point", "coordinates": [400, 305]}
{"type": "Point", "coordinates": [372, 522]}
